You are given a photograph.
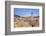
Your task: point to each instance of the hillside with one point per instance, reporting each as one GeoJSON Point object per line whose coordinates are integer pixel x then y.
{"type": "Point", "coordinates": [26, 21]}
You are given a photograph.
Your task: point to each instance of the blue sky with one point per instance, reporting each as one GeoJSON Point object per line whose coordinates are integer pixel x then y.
{"type": "Point", "coordinates": [26, 12]}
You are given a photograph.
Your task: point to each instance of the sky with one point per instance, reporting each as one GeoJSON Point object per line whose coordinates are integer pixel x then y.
{"type": "Point", "coordinates": [26, 12]}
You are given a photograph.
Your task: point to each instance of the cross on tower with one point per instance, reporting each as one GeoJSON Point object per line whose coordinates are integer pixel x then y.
{"type": "Point", "coordinates": [31, 13]}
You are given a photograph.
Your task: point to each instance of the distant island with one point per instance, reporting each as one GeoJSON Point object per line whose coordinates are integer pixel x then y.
{"type": "Point", "coordinates": [17, 16]}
